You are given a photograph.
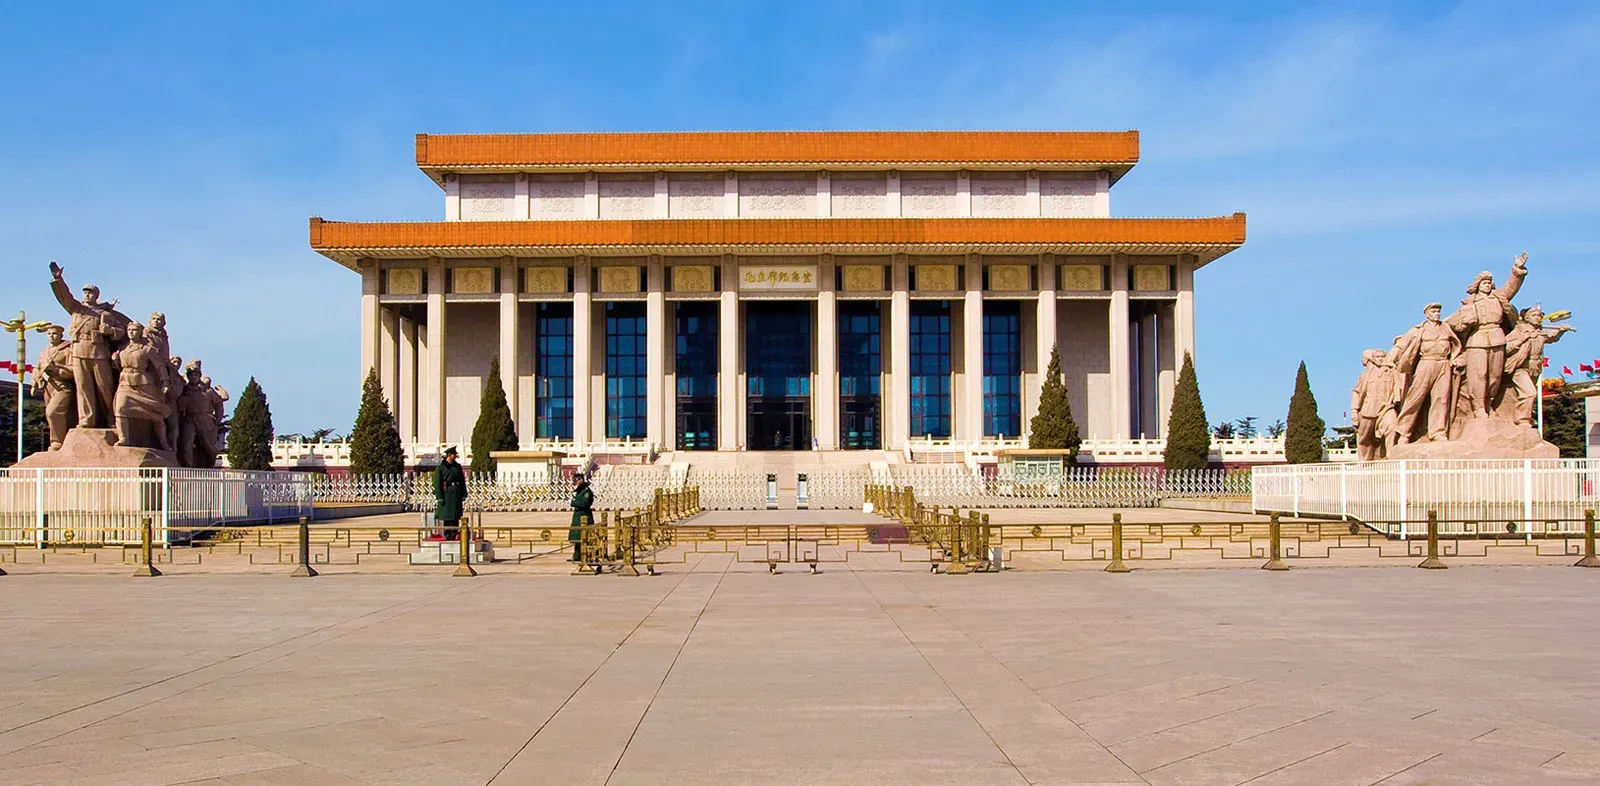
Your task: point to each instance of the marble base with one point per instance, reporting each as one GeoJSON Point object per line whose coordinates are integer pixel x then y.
{"type": "Point", "coordinates": [1483, 438]}
{"type": "Point", "coordinates": [97, 448]}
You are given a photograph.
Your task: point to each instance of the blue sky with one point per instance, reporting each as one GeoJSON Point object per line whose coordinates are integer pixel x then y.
{"type": "Point", "coordinates": [1385, 153]}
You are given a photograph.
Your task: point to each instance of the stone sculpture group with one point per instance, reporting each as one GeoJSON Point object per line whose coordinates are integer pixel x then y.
{"type": "Point", "coordinates": [1464, 386]}
{"type": "Point", "coordinates": [116, 383]}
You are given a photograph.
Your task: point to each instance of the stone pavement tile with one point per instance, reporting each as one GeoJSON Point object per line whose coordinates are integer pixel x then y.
{"type": "Point", "coordinates": [225, 731]}
{"type": "Point", "coordinates": [1488, 764]}
{"type": "Point", "coordinates": [1181, 742]}
{"type": "Point", "coordinates": [184, 772]}
{"type": "Point", "coordinates": [1353, 764]}
{"type": "Point", "coordinates": [431, 775]}
{"type": "Point", "coordinates": [1165, 715]}
{"type": "Point", "coordinates": [61, 750]}
{"type": "Point", "coordinates": [1576, 763]}
{"type": "Point", "coordinates": [1138, 699]}
{"type": "Point", "coordinates": [106, 764]}
{"type": "Point", "coordinates": [296, 775]}
{"type": "Point", "coordinates": [27, 775]}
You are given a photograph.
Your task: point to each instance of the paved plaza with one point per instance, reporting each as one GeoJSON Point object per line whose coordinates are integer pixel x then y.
{"type": "Point", "coordinates": [725, 675]}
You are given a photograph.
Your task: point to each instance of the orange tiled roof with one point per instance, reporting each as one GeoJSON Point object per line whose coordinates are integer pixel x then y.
{"type": "Point", "coordinates": [1117, 149]}
{"type": "Point", "coordinates": [345, 242]}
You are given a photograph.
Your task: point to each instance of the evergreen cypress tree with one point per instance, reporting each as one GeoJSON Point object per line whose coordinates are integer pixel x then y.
{"type": "Point", "coordinates": [250, 431]}
{"type": "Point", "coordinates": [1188, 436]}
{"type": "Point", "coordinates": [375, 442]}
{"type": "Point", "coordinates": [494, 429]}
{"type": "Point", "coordinates": [1302, 439]}
{"type": "Point", "coordinates": [1564, 423]}
{"type": "Point", "coordinates": [1053, 427]}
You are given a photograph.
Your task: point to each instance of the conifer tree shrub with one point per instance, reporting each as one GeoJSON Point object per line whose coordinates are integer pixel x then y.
{"type": "Point", "coordinates": [375, 440]}
{"type": "Point", "coordinates": [1302, 438]}
{"type": "Point", "coordinates": [1053, 427]}
{"type": "Point", "coordinates": [1188, 436]}
{"type": "Point", "coordinates": [494, 429]}
{"type": "Point", "coordinates": [250, 431]}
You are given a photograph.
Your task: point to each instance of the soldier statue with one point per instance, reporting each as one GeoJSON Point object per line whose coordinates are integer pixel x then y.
{"type": "Point", "coordinates": [53, 379]}
{"type": "Point", "coordinates": [1525, 359]}
{"type": "Point", "coordinates": [1482, 321]}
{"type": "Point", "coordinates": [141, 405]}
{"type": "Point", "coordinates": [1373, 403]}
{"type": "Point", "coordinates": [197, 425]}
{"type": "Point", "coordinates": [1427, 360]}
{"type": "Point", "coordinates": [96, 332]}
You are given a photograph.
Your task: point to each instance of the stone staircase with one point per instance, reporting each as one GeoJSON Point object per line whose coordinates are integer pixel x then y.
{"type": "Point", "coordinates": [786, 464]}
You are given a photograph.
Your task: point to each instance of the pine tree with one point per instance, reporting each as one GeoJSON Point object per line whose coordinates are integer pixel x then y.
{"type": "Point", "coordinates": [250, 431]}
{"type": "Point", "coordinates": [1564, 423]}
{"type": "Point", "coordinates": [1188, 438]}
{"type": "Point", "coordinates": [1302, 439]}
{"type": "Point", "coordinates": [494, 429]}
{"type": "Point", "coordinates": [1053, 427]}
{"type": "Point", "coordinates": [35, 434]}
{"type": "Point", "coordinates": [374, 441]}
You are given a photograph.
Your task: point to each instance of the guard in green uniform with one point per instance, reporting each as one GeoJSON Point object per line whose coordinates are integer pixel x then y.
{"type": "Point", "coordinates": [582, 514]}
{"type": "Point", "coordinates": [450, 493]}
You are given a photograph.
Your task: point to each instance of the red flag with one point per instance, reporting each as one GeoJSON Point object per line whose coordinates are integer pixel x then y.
{"type": "Point", "coordinates": [1565, 371]}
{"type": "Point", "coordinates": [1546, 362]}
{"type": "Point", "coordinates": [1585, 367]}
{"type": "Point", "coordinates": [6, 365]}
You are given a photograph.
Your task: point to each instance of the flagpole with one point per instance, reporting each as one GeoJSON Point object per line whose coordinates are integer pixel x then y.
{"type": "Point", "coordinates": [21, 326]}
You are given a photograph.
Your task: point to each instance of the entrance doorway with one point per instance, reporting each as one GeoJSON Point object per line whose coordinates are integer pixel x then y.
{"type": "Point", "coordinates": [778, 350]}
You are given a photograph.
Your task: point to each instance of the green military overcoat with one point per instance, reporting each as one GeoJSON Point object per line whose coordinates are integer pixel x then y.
{"type": "Point", "coordinates": [449, 491]}
{"type": "Point", "coordinates": [582, 512]}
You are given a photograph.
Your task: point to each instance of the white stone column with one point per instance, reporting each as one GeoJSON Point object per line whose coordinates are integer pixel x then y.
{"type": "Point", "coordinates": [1032, 206]}
{"type": "Point", "coordinates": [1102, 195]}
{"type": "Point", "coordinates": [1183, 311]}
{"type": "Point", "coordinates": [406, 407]}
{"type": "Point", "coordinates": [824, 194]}
{"type": "Point", "coordinates": [431, 422]}
{"type": "Point", "coordinates": [1044, 327]}
{"type": "Point", "coordinates": [893, 191]}
{"type": "Point", "coordinates": [655, 348]}
{"type": "Point", "coordinates": [825, 394]}
{"type": "Point", "coordinates": [388, 356]}
{"type": "Point", "coordinates": [591, 196]}
{"type": "Point", "coordinates": [658, 207]}
{"type": "Point", "coordinates": [964, 194]}
{"type": "Point", "coordinates": [452, 197]}
{"type": "Point", "coordinates": [582, 350]}
{"type": "Point", "coordinates": [899, 349]}
{"type": "Point", "coordinates": [969, 422]}
{"type": "Point", "coordinates": [509, 331]}
{"type": "Point", "coordinates": [520, 205]}
{"type": "Point", "coordinates": [730, 198]}
{"type": "Point", "coordinates": [728, 334]}
{"type": "Point", "coordinates": [369, 316]}
{"type": "Point", "coordinates": [1121, 383]}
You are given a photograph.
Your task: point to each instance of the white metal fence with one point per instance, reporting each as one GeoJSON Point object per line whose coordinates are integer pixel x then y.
{"type": "Point", "coordinates": [613, 490]}
{"type": "Point", "coordinates": [109, 506]}
{"type": "Point", "coordinates": [1075, 487]}
{"type": "Point", "coordinates": [1468, 496]}
{"type": "Point", "coordinates": [838, 489]}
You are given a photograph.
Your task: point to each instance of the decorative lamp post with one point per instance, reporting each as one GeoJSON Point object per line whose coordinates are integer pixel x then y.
{"type": "Point", "coordinates": [21, 326]}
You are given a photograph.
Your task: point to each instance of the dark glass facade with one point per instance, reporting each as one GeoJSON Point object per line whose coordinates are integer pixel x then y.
{"type": "Point", "coordinates": [697, 375]}
{"type": "Point", "coordinates": [1002, 368]}
{"type": "Point", "coordinates": [778, 346]}
{"type": "Point", "coordinates": [930, 368]}
{"type": "Point", "coordinates": [860, 375]}
{"type": "Point", "coordinates": [553, 370]}
{"type": "Point", "coordinates": [626, 350]}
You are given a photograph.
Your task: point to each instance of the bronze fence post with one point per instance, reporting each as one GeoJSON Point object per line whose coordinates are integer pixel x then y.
{"type": "Point", "coordinates": [1116, 565]}
{"type": "Point", "coordinates": [304, 569]}
{"type": "Point", "coordinates": [1432, 562]}
{"type": "Point", "coordinates": [464, 566]}
{"type": "Point", "coordinates": [1589, 559]}
{"type": "Point", "coordinates": [146, 566]}
{"type": "Point", "coordinates": [1275, 556]}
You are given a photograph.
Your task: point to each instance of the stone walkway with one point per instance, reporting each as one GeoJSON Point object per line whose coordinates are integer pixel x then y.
{"type": "Point", "coordinates": [1473, 675]}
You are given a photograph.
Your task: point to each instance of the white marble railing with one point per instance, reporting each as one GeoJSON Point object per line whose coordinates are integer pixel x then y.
{"type": "Point", "coordinates": [337, 454]}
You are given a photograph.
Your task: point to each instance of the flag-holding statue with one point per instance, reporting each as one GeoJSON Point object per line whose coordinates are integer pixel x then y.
{"type": "Point", "coordinates": [1468, 383]}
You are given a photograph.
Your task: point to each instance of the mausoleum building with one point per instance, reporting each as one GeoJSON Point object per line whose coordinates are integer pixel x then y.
{"type": "Point", "coordinates": [777, 291]}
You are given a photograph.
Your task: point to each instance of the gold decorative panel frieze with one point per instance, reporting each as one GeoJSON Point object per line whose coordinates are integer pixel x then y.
{"type": "Point", "coordinates": [619, 279]}
{"type": "Point", "coordinates": [1008, 278]}
{"type": "Point", "coordinates": [1083, 278]}
{"type": "Point", "coordinates": [862, 278]}
{"type": "Point", "coordinates": [403, 281]}
{"type": "Point", "coordinates": [1152, 278]}
{"type": "Point", "coordinates": [545, 280]}
{"type": "Point", "coordinates": [692, 278]}
{"type": "Point", "coordinates": [778, 277]}
{"type": "Point", "coordinates": [472, 280]}
{"type": "Point", "coordinates": [937, 278]}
